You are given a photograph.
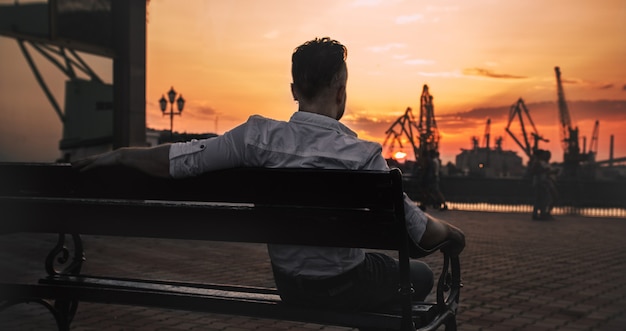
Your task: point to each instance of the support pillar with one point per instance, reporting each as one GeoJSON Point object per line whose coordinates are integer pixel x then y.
{"type": "Point", "coordinates": [129, 73]}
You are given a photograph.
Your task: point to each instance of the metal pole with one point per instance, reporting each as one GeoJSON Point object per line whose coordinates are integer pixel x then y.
{"type": "Point", "coordinates": [171, 121]}
{"type": "Point", "coordinates": [611, 152]}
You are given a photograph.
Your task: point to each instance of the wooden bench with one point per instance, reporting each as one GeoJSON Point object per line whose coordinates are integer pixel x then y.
{"type": "Point", "coordinates": [333, 208]}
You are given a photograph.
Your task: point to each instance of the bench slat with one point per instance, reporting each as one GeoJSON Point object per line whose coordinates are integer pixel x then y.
{"type": "Point", "coordinates": [244, 294]}
{"type": "Point", "coordinates": [202, 222]}
{"type": "Point", "coordinates": [303, 187]}
{"type": "Point", "coordinates": [189, 298]}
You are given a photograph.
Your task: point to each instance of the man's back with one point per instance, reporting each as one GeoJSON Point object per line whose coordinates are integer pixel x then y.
{"type": "Point", "coordinates": [308, 141]}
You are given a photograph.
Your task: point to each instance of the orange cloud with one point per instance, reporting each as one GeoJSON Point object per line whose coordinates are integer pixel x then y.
{"type": "Point", "coordinates": [488, 73]}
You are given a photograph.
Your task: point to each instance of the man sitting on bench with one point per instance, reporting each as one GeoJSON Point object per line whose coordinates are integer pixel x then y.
{"type": "Point", "coordinates": [345, 278]}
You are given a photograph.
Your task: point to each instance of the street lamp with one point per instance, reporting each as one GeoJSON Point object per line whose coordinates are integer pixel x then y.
{"type": "Point", "coordinates": [180, 104]}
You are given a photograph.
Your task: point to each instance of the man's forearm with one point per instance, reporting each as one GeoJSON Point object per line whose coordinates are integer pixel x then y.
{"type": "Point", "coordinates": [153, 161]}
{"type": "Point", "coordinates": [438, 231]}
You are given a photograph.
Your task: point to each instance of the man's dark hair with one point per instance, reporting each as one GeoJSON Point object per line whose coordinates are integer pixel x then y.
{"type": "Point", "coordinates": [315, 64]}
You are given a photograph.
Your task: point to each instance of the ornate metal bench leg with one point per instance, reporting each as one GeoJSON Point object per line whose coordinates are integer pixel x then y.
{"type": "Point", "coordinates": [65, 309]}
{"type": "Point", "coordinates": [451, 324]}
{"type": "Point", "coordinates": [71, 261]}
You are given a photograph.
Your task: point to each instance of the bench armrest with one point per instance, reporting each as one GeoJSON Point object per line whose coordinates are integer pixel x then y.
{"type": "Point", "coordinates": [449, 278]}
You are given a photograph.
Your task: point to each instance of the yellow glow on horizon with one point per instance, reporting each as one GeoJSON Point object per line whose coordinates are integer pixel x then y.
{"type": "Point", "coordinates": [399, 156]}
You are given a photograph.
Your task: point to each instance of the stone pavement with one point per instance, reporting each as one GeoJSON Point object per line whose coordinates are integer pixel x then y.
{"type": "Point", "coordinates": [567, 274]}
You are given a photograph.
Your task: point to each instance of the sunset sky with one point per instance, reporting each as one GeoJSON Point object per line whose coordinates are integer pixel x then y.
{"type": "Point", "coordinates": [231, 59]}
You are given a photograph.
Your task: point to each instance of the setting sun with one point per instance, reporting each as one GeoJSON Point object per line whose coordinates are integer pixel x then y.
{"type": "Point", "coordinates": [399, 156]}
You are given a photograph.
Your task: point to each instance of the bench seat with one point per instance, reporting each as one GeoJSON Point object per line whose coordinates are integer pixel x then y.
{"type": "Point", "coordinates": [280, 206]}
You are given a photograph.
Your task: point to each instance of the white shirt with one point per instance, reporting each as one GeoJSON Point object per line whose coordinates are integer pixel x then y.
{"type": "Point", "coordinates": [308, 140]}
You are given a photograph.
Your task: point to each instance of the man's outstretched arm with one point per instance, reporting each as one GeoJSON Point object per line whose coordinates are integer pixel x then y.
{"type": "Point", "coordinates": [438, 231]}
{"type": "Point", "coordinates": [153, 160]}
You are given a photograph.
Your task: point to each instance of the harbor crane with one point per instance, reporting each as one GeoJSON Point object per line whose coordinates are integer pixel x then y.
{"type": "Point", "coordinates": [486, 143]}
{"type": "Point", "coordinates": [519, 111]}
{"type": "Point", "coordinates": [405, 125]}
{"type": "Point", "coordinates": [429, 134]}
{"type": "Point", "coordinates": [487, 135]}
{"type": "Point", "coordinates": [593, 144]}
{"type": "Point", "coordinates": [96, 116]}
{"type": "Point", "coordinates": [572, 155]}
{"type": "Point", "coordinates": [422, 135]}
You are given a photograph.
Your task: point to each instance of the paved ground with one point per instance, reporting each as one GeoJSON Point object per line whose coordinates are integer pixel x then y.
{"type": "Point", "coordinates": [519, 274]}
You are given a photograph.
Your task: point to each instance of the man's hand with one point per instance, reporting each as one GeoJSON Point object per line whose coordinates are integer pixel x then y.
{"type": "Point", "coordinates": [96, 161]}
{"type": "Point", "coordinates": [456, 241]}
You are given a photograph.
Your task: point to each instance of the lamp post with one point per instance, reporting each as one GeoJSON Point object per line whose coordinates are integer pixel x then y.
{"type": "Point", "coordinates": [180, 104]}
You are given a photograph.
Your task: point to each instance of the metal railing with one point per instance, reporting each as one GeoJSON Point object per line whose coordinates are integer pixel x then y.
{"type": "Point", "coordinates": [527, 209]}
{"type": "Point", "coordinates": [516, 195]}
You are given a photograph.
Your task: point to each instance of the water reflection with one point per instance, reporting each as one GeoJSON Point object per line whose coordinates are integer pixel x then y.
{"type": "Point", "coordinates": [527, 209]}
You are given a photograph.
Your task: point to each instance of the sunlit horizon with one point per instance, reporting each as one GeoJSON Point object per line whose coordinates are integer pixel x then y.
{"type": "Point", "coordinates": [231, 59]}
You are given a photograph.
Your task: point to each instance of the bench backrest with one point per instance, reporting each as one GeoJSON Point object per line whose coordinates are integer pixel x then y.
{"type": "Point", "coordinates": [288, 206]}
